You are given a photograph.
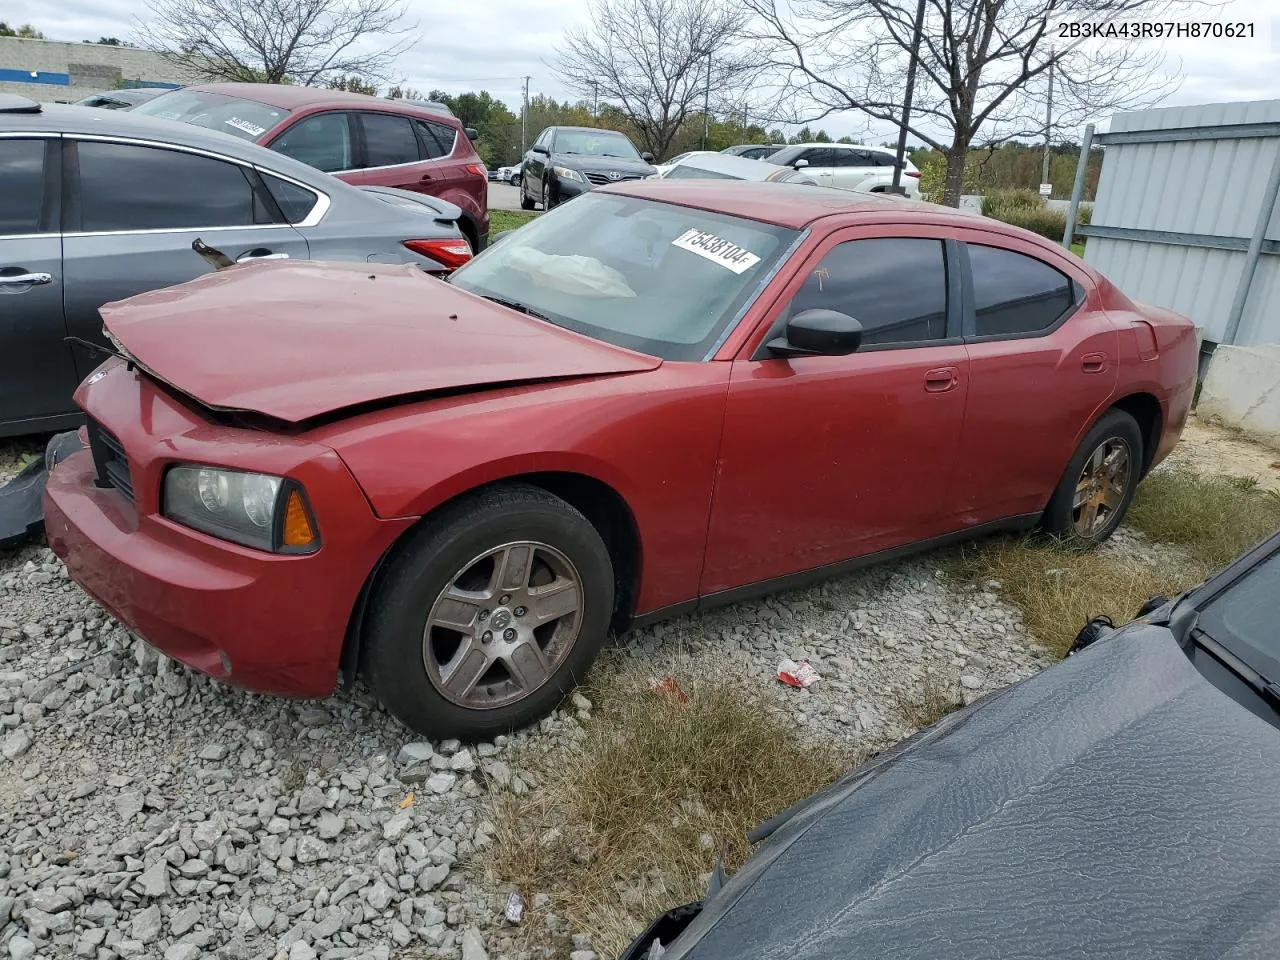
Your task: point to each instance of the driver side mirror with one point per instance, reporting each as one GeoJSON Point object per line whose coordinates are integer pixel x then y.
{"type": "Point", "coordinates": [539, 148]}
{"type": "Point", "coordinates": [800, 164]}
{"type": "Point", "coordinates": [471, 132]}
{"type": "Point", "coordinates": [818, 333]}
{"type": "Point", "coordinates": [647, 157]}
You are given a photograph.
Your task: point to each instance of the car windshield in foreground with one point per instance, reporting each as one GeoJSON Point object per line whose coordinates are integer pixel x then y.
{"type": "Point", "coordinates": [245, 119]}
{"type": "Point", "coordinates": [595, 143]}
{"type": "Point", "coordinates": [653, 277]}
{"type": "Point", "coordinates": [1243, 618]}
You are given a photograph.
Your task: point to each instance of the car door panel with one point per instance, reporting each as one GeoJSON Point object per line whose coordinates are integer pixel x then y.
{"type": "Point", "coordinates": [391, 155]}
{"type": "Point", "coordinates": [1031, 398]}
{"type": "Point", "coordinates": [37, 375]}
{"type": "Point", "coordinates": [828, 458]}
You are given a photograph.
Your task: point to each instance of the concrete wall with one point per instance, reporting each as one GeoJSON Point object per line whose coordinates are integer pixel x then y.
{"type": "Point", "coordinates": [1243, 389]}
{"type": "Point", "coordinates": [48, 70]}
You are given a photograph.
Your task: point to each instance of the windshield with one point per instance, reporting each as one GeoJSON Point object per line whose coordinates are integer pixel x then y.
{"type": "Point", "coordinates": [784, 157]}
{"type": "Point", "coordinates": [245, 119]}
{"type": "Point", "coordinates": [689, 172]}
{"type": "Point", "coordinates": [653, 277]}
{"type": "Point", "coordinates": [1242, 618]}
{"type": "Point", "coordinates": [595, 143]}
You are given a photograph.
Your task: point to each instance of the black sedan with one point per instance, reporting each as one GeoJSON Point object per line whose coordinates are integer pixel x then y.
{"type": "Point", "coordinates": [1121, 804]}
{"type": "Point", "coordinates": [565, 162]}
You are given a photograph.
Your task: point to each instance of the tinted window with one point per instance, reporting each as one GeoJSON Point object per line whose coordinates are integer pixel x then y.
{"type": "Point", "coordinates": [595, 143]}
{"type": "Point", "coordinates": [437, 138]}
{"type": "Point", "coordinates": [322, 140]}
{"type": "Point", "coordinates": [295, 202]}
{"type": "Point", "coordinates": [21, 185]}
{"type": "Point", "coordinates": [895, 287]}
{"type": "Point", "coordinates": [847, 158]}
{"type": "Point", "coordinates": [388, 140]}
{"type": "Point", "coordinates": [123, 187]}
{"type": "Point", "coordinates": [246, 119]}
{"type": "Point", "coordinates": [1015, 294]}
{"type": "Point", "coordinates": [819, 157]}
{"type": "Point", "coordinates": [1243, 618]}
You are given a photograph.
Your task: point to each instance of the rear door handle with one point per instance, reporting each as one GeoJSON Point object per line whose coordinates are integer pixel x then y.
{"type": "Point", "coordinates": [426, 177]}
{"type": "Point", "coordinates": [260, 254]}
{"type": "Point", "coordinates": [1093, 362]}
{"type": "Point", "coordinates": [940, 379]}
{"type": "Point", "coordinates": [24, 279]}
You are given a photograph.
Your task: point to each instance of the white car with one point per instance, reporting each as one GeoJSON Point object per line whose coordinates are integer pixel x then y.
{"type": "Point", "coordinates": [706, 165]}
{"type": "Point", "coordinates": [663, 167]}
{"type": "Point", "coordinates": [508, 174]}
{"type": "Point", "coordinates": [849, 166]}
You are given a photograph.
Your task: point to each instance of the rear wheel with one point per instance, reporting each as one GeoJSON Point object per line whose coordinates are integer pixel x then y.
{"type": "Point", "coordinates": [489, 614]}
{"type": "Point", "coordinates": [1099, 482]}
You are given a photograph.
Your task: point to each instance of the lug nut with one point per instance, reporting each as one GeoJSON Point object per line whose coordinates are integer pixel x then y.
{"type": "Point", "coordinates": [520, 611]}
{"type": "Point", "coordinates": [484, 614]}
{"type": "Point", "coordinates": [488, 635]}
{"type": "Point", "coordinates": [504, 598]}
{"type": "Point", "coordinates": [508, 634]}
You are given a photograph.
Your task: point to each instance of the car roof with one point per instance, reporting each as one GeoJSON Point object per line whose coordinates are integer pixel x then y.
{"type": "Point", "coordinates": [289, 97]}
{"type": "Point", "coordinates": [556, 126]}
{"type": "Point", "coordinates": [786, 204]}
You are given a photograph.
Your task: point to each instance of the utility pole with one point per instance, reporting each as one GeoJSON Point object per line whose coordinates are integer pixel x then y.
{"type": "Point", "coordinates": [706, 105]}
{"type": "Point", "coordinates": [524, 119]}
{"type": "Point", "coordinates": [595, 99]}
{"type": "Point", "coordinates": [1048, 124]}
{"type": "Point", "coordinates": [898, 160]}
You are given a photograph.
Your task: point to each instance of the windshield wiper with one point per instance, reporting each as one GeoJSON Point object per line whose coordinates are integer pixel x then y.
{"type": "Point", "coordinates": [517, 306]}
{"type": "Point", "coordinates": [617, 156]}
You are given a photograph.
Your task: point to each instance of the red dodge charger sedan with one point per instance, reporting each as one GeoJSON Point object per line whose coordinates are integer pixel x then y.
{"type": "Point", "coordinates": [661, 396]}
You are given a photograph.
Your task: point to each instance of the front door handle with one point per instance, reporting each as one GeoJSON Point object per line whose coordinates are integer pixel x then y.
{"type": "Point", "coordinates": [1093, 362]}
{"type": "Point", "coordinates": [941, 379]}
{"type": "Point", "coordinates": [260, 254]}
{"type": "Point", "coordinates": [24, 279]}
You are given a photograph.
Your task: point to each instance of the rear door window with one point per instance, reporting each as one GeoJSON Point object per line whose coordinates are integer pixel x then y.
{"type": "Point", "coordinates": [21, 186]}
{"type": "Point", "coordinates": [388, 140]}
{"type": "Point", "coordinates": [1015, 294]}
{"type": "Point", "coordinates": [124, 187]}
{"type": "Point", "coordinates": [322, 140]}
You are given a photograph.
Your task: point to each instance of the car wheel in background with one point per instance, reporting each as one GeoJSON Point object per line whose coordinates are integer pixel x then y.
{"type": "Point", "coordinates": [549, 196]}
{"type": "Point", "coordinates": [526, 202]}
{"type": "Point", "coordinates": [488, 614]}
{"type": "Point", "coordinates": [1099, 483]}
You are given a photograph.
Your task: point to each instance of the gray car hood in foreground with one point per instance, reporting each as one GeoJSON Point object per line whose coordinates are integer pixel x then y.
{"type": "Point", "coordinates": [1116, 805]}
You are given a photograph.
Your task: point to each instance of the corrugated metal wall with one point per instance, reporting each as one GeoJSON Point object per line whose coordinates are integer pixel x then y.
{"type": "Point", "coordinates": [1203, 187]}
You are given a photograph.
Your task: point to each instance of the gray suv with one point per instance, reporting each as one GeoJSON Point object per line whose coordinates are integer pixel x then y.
{"type": "Point", "coordinates": [97, 205]}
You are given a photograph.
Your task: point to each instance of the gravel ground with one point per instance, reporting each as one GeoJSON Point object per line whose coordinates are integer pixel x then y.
{"type": "Point", "coordinates": [146, 811]}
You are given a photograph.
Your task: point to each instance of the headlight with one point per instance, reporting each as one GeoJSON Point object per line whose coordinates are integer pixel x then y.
{"type": "Point", "coordinates": [253, 509]}
{"type": "Point", "coordinates": [565, 173]}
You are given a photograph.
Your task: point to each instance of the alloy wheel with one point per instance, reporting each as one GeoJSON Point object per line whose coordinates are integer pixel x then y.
{"type": "Point", "coordinates": [503, 625]}
{"type": "Point", "coordinates": [1101, 487]}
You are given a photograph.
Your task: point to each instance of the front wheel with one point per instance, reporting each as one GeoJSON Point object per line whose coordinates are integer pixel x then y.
{"type": "Point", "coordinates": [526, 202]}
{"type": "Point", "coordinates": [1099, 483]}
{"type": "Point", "coordinates": [549, 196]}
{"type": "Point", "coordinates": [489, 614]}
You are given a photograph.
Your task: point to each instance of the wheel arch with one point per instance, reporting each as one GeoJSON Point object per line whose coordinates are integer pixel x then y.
{"type": "Point", "coordinates": [1146, 410]}
{"type": "Point", "coordinates": [603, 506]}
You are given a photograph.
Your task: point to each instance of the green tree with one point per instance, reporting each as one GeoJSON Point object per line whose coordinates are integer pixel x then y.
{"type": "Point", "coordinates": [110, 42]}
{"type": "Point", "coordinates": [24, 32]}
{"type": "Point", "coordinates": [353, 85]}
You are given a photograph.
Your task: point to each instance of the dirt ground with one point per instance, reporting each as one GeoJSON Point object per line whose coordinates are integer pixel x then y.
{"type": "Point", "coordinates": [1211, 448]}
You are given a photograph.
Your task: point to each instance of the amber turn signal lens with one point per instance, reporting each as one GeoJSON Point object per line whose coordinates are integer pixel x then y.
{"type": "Point", "coordinates": [298, 531]}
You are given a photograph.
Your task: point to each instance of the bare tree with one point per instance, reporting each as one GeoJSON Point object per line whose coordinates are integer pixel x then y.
{"type": "Point", "coordinates": [278, 41]}
{"type": "Point", "coordinates": [651, 58]}
{"type": "Point", "coordinates": [983, 70]}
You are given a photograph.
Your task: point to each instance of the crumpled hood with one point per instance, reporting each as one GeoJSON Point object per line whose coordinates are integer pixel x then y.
{"type": "Point", "coordinates": [1117, 805]}
{"type": "Point", "coordinates": [296, 340]}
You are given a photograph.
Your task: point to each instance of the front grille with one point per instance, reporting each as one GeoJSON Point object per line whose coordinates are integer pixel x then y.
{"type": "Point", "coordinates": [110, 461]}
{"type": "Point", "coordinates": [605, 178]}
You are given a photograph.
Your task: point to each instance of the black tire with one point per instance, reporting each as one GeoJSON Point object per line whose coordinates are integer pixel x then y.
{"type": "Point", "coordinates": [549, 198]}
{"type": "Point", "coordinates": [1114, 430]}
{"type": "Point", "coordinates": [394, 654]}
{"type": "Point", "coordinates": [525, 202]}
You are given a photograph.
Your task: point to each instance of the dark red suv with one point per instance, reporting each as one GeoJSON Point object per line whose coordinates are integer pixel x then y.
{"type": "Point", "coordinates": [368, 141]}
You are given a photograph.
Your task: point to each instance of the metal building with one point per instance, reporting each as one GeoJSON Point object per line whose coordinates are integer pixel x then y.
{"type": "Point", "coordinates": [1186, 218]}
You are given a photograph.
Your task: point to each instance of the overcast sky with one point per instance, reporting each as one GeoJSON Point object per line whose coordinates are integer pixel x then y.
{"type": "Point", "coordinates": [492, 44]}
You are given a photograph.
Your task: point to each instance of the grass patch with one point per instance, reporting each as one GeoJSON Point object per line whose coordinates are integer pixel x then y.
{"type": "Point", "coordinates": [1215, 518]}
{"type": "Point", "coordinates": [1077, 247]}
{"type": "Point", "coordinates": [1059, 589]}
{"type": "Point", "coordinates": [628, 823]}
{"type": "Point", "coordinates": [934, 703]}
{"type": "Point", "coordinates": [500, 220]}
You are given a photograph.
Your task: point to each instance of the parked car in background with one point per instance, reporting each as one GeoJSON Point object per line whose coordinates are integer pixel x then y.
{"type": "Point", "coordinates": [98, 206]}
{"type": "Point", "coordinates": [659, 168]}
{"type": "Point", "coordinates": [849, 166]}
{"type": "Point", "coordinates": [360, 139]}
{"type": "Point", "coordinates": [1120, 804]}
{"type": "Point", "coordinates": [509, 174]}
{"type": "Point", "coordinates": [661, 396]}
{"type": "Point", "coordinates": [722, 166]}
{"type": "Point", "coordinates": [754, 151]}
{"type": "Point", "coordinates": [565, 162]}
{"type": "Point", "coordinates": [121, 99]}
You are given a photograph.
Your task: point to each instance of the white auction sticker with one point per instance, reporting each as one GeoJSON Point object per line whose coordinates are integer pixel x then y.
{"type": "Point", "coordinates": [252, 129]}
{"type": "Point", "coordinates": [716, 249]}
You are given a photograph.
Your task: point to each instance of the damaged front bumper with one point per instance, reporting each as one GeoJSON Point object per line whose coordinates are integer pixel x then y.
{"type": "Point", "coordinates": [22, 498]}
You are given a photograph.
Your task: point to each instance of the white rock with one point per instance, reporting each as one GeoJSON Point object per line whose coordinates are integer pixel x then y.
{"type": "Point", "coordinates": [397, 826]}
{"type": "Point", "coordinates": [462, 761]}
{"type": "Point", "coordinates": [145, 925]}
{"type": "Point", "coordinates": [182, 951]}
{"type": "Point", "coordinates": [415, 753]}
{"type": "Point", "coordinates": [20, 948]}
{"type": "Point", "coordinates": [970, 682]}
{"type": "Point", "coordinates": [473, 945]}
{"type": "Point", "coordinates": [329, 825]}
{"type": "Point", "coordinates": [441, 782]}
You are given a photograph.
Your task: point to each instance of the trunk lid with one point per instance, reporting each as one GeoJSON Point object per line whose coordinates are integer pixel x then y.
{"type": "Point", "coordinates": [295, 341]}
